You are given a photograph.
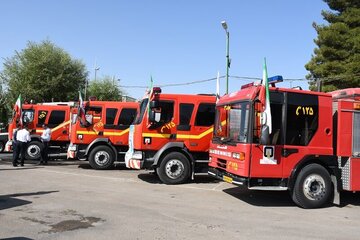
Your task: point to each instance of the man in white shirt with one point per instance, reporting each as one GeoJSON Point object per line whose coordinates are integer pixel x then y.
{"type": "Point", "coordinates": [22, 138]}
{"type": "Point", "coordinates": [45, 138]}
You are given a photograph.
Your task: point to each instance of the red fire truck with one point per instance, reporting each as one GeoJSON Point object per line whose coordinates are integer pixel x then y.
{"type": "Point", "coordinates": [171, 135]}
{"type": "Point", "coordinates": [55, 115]}
{"type": "Point", "coordinates": [102, 137]}
{"type": "Point", "coordinates": [313, 150]}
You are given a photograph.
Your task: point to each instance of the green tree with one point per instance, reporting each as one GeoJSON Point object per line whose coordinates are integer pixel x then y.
{"type": "Point", "coordinates": [43, 72]}
{"type": "Point", "coordinates": [336, 60]}
{"type": "Point", "coordinates": [105, 89]}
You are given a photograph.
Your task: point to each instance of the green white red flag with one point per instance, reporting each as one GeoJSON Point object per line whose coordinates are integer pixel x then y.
{"type": "Point", "coordinates": [18, 109]}
{"type": "Point", "coordinates": [267, 119]}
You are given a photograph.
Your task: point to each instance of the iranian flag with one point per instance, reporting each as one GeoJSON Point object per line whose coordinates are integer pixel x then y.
{"type": "Point", "coordinates": [150, 92]}
{"type": "Point", "coordinates": [81, 110]}
{"type": "Point", "coordinates": [17, 107]}
{"type": "Point", "coordinates": [218, 87]}
{"type": "Point", "coordinates": [267, 118]}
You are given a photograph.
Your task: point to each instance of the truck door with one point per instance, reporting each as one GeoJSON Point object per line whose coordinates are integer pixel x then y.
{"type": "Point", "coordinates": [56, 122]}
{"type": "Point", "coordinates": [109, 126]}
{"type": "Point", "coordinates": [184, 126]}
{"type": "Point", "coordinates": [126, 117]}
{"type": "Point", "coordinates": [302, 122]}
{"type": "Point", "coordinates": [202, 129]}
{"type": "Point", "coordinates": [266, 161]}
{"type": "Point", "coordinates": [162, 128]}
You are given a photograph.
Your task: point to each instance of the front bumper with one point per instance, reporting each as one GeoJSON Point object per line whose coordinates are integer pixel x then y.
{"type": "Point", "coordinates": [8, 146]}
{"type": "Point", "coordinates": [228, 177]}
{"type": "Point", "coordinates": [134, 159]}
{"type": "Point", "coordinates": [71, 151]}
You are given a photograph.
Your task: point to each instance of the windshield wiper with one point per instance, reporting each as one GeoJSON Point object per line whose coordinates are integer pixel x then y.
{"type": "Point", "coordinates": [226, 139]}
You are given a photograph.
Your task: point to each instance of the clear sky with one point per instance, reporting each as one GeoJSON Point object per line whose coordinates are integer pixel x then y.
{"type": "Point", "coordinates": [173, 41]}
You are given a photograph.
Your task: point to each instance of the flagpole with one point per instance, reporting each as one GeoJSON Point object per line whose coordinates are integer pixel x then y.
{"type": "Point", "coordinates": [224, 25]}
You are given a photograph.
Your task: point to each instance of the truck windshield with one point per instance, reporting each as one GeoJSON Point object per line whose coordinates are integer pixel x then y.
{"type": "Point", "coordinates": [232, 123]}
{"type": "Point", "coordinates": [143, 107]}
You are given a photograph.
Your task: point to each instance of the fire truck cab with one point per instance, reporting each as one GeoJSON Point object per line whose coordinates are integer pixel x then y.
{"type": "Point", "coordinates": [56, 115]}
{"type": "Point", "coordinates": [313, 150]}
{"type": "Point", "coordinates": [171, 135]}
{"type": "Point", "coordinates": [103, 138]}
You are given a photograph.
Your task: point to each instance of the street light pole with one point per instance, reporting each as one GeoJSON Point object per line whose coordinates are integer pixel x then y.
{"type": "Point", "coordinates": [96, 69]}
{"type": "Point", "coordinates": [224, 25]}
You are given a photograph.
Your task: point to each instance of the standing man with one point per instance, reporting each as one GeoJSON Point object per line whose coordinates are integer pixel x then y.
{"type": "Point", "coordinates": [22, 137]}
{"type": "Point", "coordinates": [15, 146]}
{"type": "Point", "coordinates": [45, 138]}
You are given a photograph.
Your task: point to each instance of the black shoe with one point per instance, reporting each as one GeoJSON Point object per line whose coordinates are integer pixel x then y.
{"type": "Point", "coordinates": [15, 165]}
{"type": "Point", "coordinates": [22, 164]}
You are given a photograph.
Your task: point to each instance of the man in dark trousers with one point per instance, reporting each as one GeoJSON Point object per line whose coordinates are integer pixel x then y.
{"type": "Point", "coordinates": [22, 138]}
{"type": "Point", "coordinates": [15, 146]}
{"type": "Point", "coordinates": [45, 138]}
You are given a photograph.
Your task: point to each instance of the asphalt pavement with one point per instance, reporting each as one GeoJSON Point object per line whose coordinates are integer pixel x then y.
{"type": "Point", "coordinates": [69, 200]}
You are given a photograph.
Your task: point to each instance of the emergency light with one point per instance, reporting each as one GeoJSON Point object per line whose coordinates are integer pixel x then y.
{"type": "Point", "coordinates": [275, 79]}
{"type": "Point", "coordinates": [156, 90]}
{"type": "Point", "coordinates": [271, 80]}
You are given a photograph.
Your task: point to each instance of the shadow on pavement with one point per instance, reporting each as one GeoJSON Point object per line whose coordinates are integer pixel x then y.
{"type": "Point", "coordinates": [151, 177]}
{"type": "Point", "coordinates": [11, 200]}
{"type": "Point", "coordinates": [282, 198]}
{"type": "Point", "coordinates": [17, 238]}
{"type": "Point", "coordinates": [116, 166]}
{"type": "Point", "coordinates": [261, 198]}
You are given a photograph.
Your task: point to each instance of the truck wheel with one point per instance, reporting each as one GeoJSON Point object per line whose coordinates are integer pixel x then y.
{"type": "Point", "coordinates": [33, 150]}
{"type": "Point", "coordinates": [2, 146]}
{"type": "Point", "coordinates": [101, 157]}
{"type": "Point", "coordinates": [312, 187]}
{"type": "Point", "coordinates": [174, 168]}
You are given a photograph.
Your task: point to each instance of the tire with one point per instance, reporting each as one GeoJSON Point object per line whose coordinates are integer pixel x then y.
{"type": "Point", "coordinates": [2, 146]}
{"type": "Point", "coordinates": [101, 158]}
{"type": "Point", "coordinates": [33, 150]}
{"type": "Point", "coordinates": [174, 168]}
{"type": "Point", "coordinates": [312, 187]}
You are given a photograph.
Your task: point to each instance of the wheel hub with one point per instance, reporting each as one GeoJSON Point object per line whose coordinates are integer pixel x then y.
{"type": "Point", "coordinates": [314, 187]}
{"type": "Point", "coordinates": [33, 150]}
{"type": "Point", "coordinates": [174, 168]}
{"type": "Point", "coordinates": [101, 158]}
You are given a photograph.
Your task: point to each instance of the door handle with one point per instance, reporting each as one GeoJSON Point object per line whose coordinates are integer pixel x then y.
{"type": "Point", "coordinates": [288, 151]}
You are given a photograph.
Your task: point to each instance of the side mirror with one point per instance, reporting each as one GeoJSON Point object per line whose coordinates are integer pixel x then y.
{"type": "Point", "coordinates": [89, 118]}
{"type": "Point", "coordinates": [154, 104]}
{"type": "Point", "coordinates": [154, 117]}
{"type": "Point", "coordinates": [265, 136]}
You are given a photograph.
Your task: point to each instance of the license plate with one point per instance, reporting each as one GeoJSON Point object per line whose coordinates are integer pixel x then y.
{"type": "Point", "coordinates": [227, 179]}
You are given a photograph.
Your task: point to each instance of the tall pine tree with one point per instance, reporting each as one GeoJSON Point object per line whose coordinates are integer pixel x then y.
{"type": "Point", "coordinates": [336, 60]}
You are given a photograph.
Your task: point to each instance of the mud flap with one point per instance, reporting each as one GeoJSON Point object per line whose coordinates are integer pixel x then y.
{"type": "Point", "coordinates": [336, 199]}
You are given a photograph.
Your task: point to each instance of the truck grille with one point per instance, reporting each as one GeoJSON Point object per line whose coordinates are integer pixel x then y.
{"type": "Point", "coordinates": [221, 163]}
